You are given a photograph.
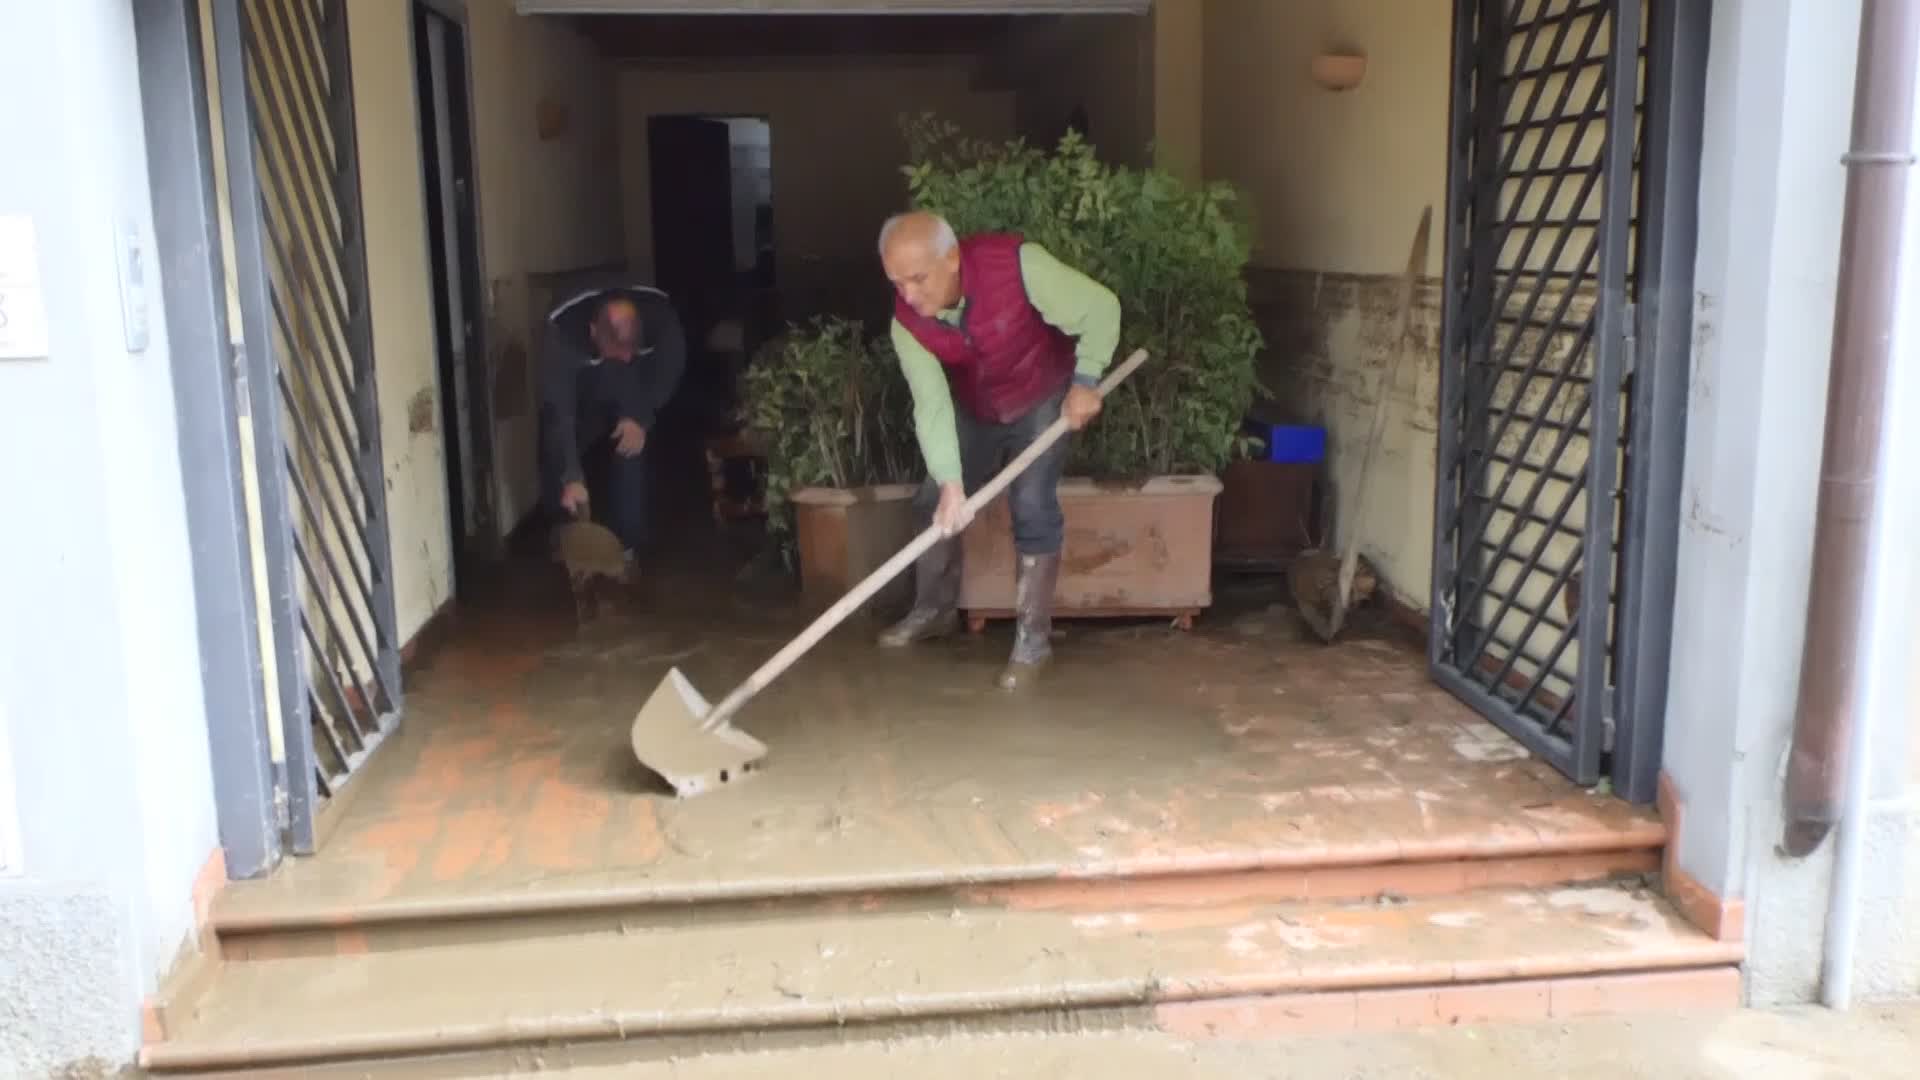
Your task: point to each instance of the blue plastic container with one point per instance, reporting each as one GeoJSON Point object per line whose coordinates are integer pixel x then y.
{"type": "Point", "coordinates": [1298, 443]}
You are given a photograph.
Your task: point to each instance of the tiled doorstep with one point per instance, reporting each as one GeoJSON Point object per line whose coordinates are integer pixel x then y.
{"type": "Point", "coordinates": [834, 971]}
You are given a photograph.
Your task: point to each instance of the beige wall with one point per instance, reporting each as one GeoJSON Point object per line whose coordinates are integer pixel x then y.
{"type": "Point", "coordinates": [837, 148]}
{"type": "Point", "coordinates": [1335, 183]}
{"type": "Point", "coordinates": [399, 287]}
{"type": "Point", "coordinates": [546, 204]}
{"type": "Point", "coordinates": [1179, 86]}
{"type": "Point", "coordinates": [1337, 179]}
{"type": "Point", "coordinates": [549, 204]}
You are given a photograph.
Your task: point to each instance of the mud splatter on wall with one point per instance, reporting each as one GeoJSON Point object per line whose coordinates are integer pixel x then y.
{"type": "Point", "coordinates": [1329, 338]}
{"type": "Point", "coordinates": [420, 412]}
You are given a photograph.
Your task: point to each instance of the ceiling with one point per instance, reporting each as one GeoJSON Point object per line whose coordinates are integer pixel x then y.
{"type": "Point", "coordinates": [624, 38]}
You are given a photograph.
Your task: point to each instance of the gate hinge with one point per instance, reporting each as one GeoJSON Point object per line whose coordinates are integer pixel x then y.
{"type": "Point", "coordinates": [1630, 338]}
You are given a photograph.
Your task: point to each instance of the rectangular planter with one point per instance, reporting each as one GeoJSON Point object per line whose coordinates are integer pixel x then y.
{"type": "Point", "coordinates": [1144, 550]}
{"type": "Point", "coordinates": [844, 534]}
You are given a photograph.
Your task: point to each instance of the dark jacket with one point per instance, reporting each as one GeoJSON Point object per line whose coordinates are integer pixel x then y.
{"type": "Point", "coordinates": [634, 391]}
{"type": "Point", "coordinates": [1004, 357]}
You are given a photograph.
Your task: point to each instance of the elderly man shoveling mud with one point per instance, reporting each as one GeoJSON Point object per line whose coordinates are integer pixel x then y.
{"type": "Point", "coordinates": [997, 339]}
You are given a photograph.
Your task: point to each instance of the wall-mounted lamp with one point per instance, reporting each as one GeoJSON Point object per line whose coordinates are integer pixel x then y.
{"type": "Point", "coordinates": [1339, 71]}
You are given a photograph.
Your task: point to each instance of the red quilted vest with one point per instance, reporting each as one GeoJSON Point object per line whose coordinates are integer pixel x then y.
{"type": "Point", "coordinates": [1003, 358]}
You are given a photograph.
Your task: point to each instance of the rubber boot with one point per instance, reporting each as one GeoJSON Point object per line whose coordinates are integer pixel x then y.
{"type": "Point", "coordinates": [936, 598]}
{"type": "Point", "coordinates": [1033, 583]}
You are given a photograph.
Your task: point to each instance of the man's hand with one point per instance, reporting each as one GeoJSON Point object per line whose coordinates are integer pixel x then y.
{"type": "Point", "coordinates": [629, 438]}
{"type": "Point", "coordinates": [573, 497]}
{"type": "Point", "coordinates": [1081, 406]}
{"type": "Point", "coordinates": [952, 515]}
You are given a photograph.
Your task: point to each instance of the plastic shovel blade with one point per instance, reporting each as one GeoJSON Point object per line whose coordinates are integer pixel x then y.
{"type": "Point", "coordinates": [667, 739]}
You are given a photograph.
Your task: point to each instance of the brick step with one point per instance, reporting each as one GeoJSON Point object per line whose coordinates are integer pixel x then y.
{"type": "Point", "coordinates": [823, 977]}
{"type": "Point", "coordinates": [1245, 877]}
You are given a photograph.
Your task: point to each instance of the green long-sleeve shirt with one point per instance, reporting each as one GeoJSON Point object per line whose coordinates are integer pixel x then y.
{"type": "Point", "coordinates": [1069, 300]}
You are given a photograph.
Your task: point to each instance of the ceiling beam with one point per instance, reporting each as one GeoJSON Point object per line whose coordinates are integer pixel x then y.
{"type": "Point", "coordinates": [832, 7]}
{"type": "Point", "coordinates": [644, 37]}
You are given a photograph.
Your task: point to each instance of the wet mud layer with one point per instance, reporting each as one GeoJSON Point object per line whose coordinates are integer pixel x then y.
{"type": "Point", "coordinates": [1210, 834]}
{"type": "Point", "coordinates": [1240, 744]}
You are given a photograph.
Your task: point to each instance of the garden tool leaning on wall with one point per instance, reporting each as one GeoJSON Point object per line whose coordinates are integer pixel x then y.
{"type": "Point", "coordinates": [1323, 589]}
{"type": "Point", "coordinates": [694, 746]}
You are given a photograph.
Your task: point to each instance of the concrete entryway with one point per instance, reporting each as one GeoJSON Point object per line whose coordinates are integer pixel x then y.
{"type": "Point", "coordinates": [1178, 831]}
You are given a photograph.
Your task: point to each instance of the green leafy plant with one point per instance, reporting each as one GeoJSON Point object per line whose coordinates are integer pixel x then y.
{"type": "Point", "coordinates": [834, 410]}
{"type": "Point", "coordinates": [1174, 254]}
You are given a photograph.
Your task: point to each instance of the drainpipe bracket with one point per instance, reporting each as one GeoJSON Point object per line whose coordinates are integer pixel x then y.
{"type": "Point", "coordinates": [1874, 157]}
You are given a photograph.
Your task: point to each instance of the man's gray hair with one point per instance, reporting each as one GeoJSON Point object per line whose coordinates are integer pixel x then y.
{"type": "Point", "coordinates": [944, 238]}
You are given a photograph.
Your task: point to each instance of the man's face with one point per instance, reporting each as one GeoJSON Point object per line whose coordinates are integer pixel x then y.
{"type": "Point", "coordinates": [929, 283]}
{"type": "Point", "coordinates": [616, 333]}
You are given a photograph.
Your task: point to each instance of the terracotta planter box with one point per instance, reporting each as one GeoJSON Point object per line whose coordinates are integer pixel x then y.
{"type": "Point", "coordinates": [844, 534]}
{"type": "Point", "coordinates": [1129, 551]}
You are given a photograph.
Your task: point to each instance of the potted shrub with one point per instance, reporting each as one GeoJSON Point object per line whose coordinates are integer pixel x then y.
{"type": "Point", "coordinates": [836, 419]}
{"type": "Point", "coordinates": [1141, 480]}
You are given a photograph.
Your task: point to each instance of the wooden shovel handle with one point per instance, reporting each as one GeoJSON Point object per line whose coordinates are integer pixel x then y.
{"type": "Point", "coordinates": [872, 583]}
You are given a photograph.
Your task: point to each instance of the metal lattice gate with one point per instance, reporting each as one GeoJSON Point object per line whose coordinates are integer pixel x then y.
{"type": "Point", "coordinates": [1537, 350]}
{"type": "Point", "coordinates": [312, 416]}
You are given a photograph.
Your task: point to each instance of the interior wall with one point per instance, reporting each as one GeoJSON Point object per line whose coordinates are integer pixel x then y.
{"type": "Point", "coordinates": [400, 293]}
{"type": "Point", "coordinates": [1178, 87]}
{"type": "Point", "coordinates": [1103, 63]}
{"type": "Point", "coordinates": [549, 176]}
{"type": "Point", "coordinates": [837, 148]}
{"type": "Point", "coordinates": [1334, 184]}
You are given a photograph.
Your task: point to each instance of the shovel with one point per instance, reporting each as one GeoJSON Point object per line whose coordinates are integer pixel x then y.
{"type": "Point", "coordinates": [588, 550]}
{"type": "Point", "coordinates": [694, 746]}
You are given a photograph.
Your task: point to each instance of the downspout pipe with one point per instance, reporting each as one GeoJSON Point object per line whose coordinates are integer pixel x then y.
{"type": "Point", "coordinates": [1883, 683]}
{"type": "Point", "coordinates": [1878, 168]}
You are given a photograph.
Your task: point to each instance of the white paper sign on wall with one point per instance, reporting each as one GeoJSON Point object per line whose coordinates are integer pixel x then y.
{"type": "Point", "coordinates": [23, 308]}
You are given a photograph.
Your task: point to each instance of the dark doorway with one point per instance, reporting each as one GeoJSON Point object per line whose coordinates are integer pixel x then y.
{"type": "Point", "coordinates": [713, 245]}
{"type": "Point", "coordinates": [466, 409]}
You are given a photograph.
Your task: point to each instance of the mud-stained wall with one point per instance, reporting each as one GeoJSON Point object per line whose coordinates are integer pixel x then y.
{"type": "Point", "coordinates": [548, 164]}
{"type": "Point", "coordinates": [548, 194]}
{"type": "Point", "coordinates": [1334, 184]}
{"type": "Point", "coordinates": [1329, 339]}
{"type": "Point", "coordinates": [837, 147]}
{"type": "Point", "coordinates": [399, 289]}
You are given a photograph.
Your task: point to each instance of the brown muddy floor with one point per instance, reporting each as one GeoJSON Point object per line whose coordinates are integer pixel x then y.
{"type": "Point", "coordinates": [1236, 744]}
{"type": "Point", "coordinates": [1867, 1043]}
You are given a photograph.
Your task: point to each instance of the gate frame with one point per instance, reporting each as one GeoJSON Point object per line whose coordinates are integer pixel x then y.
{"type": "Point", "coordinates": [259, 371]}
{"type": "Point", "coordinates": [264, 807]}
{"type": "Point", "coordinates": [262, 371]}
{"type": "Point", "coordinates": [208, 375]}
{"type": "Point", "coordinates": [1678, 45]}
{"type": "Point", "coordinates": [1645, 336]}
